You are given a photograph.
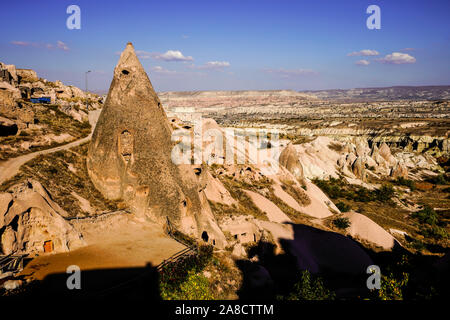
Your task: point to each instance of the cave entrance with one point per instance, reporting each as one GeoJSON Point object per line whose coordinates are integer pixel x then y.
{"type": "Point", "coordinates": [48, 246]}
{"type": "Point", "coordinates": [205, 236]}
{"type": "Point", "coordinates": [6, 130]}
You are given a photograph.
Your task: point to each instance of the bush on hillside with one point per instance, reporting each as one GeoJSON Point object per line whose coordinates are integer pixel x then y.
{"type": "Point", "coordinates": [180, 280]}
{"type": "Point", "coordinates": [310, 287]}
{"type": "Point", "coordinates": [426, 215]}
{"type": "Point", "coordinates": [343, 207]}
{"type": "Point", "coordinates": [341, 223]}
{"type": "Point", "coordinates": [406, 182]}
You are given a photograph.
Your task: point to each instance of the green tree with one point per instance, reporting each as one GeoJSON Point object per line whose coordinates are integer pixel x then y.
{"type": "Point", "coordinates": [310, 288]}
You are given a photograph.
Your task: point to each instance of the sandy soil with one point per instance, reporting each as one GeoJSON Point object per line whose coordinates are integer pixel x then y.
{"type": "Point", "coordinates": [286, 197]}
{"type": "Point", "coordinates": [116, 241]}
{"type": "Point", "coordinates": [364, 228]}
{"type": "Point", "coordinates": [273, 213]}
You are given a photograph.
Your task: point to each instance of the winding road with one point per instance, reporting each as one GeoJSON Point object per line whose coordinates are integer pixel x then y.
{"type": "Point", "coordinates": [10, 167]}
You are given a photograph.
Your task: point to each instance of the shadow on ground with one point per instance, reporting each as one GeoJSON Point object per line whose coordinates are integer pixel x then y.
{"type": "Point", "coordinates": [128, 283]}
{"type": "Point", "coordinates": [340, 261]}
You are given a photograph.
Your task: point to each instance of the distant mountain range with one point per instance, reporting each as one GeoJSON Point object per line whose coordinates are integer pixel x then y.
{"type": "Point", "coordinates": [356, 94]}
{"type": "Point", "coordinates": [386, 93]}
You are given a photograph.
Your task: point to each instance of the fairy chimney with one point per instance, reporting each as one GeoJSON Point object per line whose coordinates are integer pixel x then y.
{"type": "Point", "coordinates": [129, 157]}
{"type": "Point", "coordinates": [289, 159]}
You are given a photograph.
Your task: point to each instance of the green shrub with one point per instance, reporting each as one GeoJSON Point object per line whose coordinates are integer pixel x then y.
{"type": "Point", "coordinates": [341, 223]}
{"type": "Point", "coordinates": [195, 287]}
{"type": "Point", "coordinates": [439, 179]}
{"type": "Point", "coordinates": [336, 188]}
{"type": "Point", "coordinates": [434, 232]}
{"type": "Point", "coordinates": [406, 182]}
{"type": "Point", "coordinates": [392, 287]}
{"type": "Point", "coordinates": [310, 288]}
{"type": "Point", "coordinates": [417, 245]}
{"type": "Point", "coordinates": [385, 193]}
{"type": "Point", "coordinates": [179, 279]}
{"type": "Point", "coordinates": [362, 195]}
{"type": "Point", "coordinates": [426, 215]}
{"type": "Point", "coordinates": [343, 207]}
{"type": "Point", "coordinates": [333, 187]}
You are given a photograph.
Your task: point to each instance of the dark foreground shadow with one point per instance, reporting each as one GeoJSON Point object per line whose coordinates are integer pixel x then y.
{"type": "Point", "coordinates": [122, 283]}
{"type": "Point", "coordinates": [339, 260]}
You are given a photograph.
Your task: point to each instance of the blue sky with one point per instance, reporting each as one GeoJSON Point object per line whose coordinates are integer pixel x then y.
{"type": "Point", "coordinates": [234, 45]}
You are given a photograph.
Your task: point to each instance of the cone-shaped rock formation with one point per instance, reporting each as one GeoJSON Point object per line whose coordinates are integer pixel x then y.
{"type": "Point", "coordinates": [130, 156]}
{"type": "Point", "coordinates": [290, 160]}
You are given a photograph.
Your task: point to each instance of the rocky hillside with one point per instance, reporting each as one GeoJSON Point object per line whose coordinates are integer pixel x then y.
{"type": "Point", "coordinates": [36, 114]}
{"type": "Point", "coordinates": [330, 197]}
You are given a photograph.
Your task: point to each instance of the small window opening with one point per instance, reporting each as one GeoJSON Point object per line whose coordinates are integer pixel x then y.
{"type": "Point", "coordinates": [205, 236]}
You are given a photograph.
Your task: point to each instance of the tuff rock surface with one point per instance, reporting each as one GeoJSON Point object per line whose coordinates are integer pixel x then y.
{"type": "Point", "coordinates": [130, 157]}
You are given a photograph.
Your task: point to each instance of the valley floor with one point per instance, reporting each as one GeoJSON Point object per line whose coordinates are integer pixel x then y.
{"type": "Point", "coordinates": [119, 241]}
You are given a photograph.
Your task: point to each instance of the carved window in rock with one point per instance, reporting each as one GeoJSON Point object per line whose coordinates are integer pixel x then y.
{"type": "Point", "coordinates": [205, 236]}
{"type": "Point", "coordinates": [126, 145]}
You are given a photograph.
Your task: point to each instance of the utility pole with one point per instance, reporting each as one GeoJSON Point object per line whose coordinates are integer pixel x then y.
{"type": "Point", "coordinates": [86, 82]}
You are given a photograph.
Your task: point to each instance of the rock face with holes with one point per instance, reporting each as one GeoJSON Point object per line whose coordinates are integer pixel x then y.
{"type": "Point", "coordinates": [30, 220]}
{"type": "Point", "coordinates": [130, 156]}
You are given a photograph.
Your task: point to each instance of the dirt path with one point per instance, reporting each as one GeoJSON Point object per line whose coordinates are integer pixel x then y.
{"type": "Point", "coordinates": [9, 168]}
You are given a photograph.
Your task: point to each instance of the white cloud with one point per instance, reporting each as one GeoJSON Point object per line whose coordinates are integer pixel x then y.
{"type": "Point", "coordinates": [212, 65]}
{"type": "Point", "coordinates": [397, 58]}
{"type": "Point", "coordinates": [217, 64]}
{"type": "Point", "coordinates": [365, 52]}
{"type": "Point", "coordinates": [59, 45]}
{"type": "Point", "coordinates": [161, 70]}
{"type": "Point", "coordinates": [362, 62]}
{"type": "Point", "coordinates": [21, 43]}
{"type": "Point", "coordinates": [292, 72]}
{"type": "Point", "coordinates": [143, 54]}
{"type": "Point", "coordinates": [171, 55]}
